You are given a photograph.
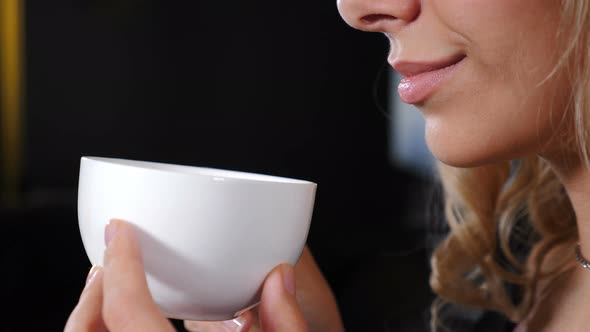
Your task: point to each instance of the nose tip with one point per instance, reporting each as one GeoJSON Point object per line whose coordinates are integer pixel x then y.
{"type": "Point", "coordinates": [378, 15]}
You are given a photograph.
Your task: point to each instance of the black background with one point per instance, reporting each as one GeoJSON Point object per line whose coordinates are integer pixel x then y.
{"type": "Point", "coordinates": [282, 88]}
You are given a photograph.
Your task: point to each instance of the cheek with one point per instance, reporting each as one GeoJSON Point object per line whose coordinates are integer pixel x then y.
{"type": "Point", "coordinates": [495, 123]}
{"type": "Point", "coordinates": [495, 109]}
{"type": "Point", "coordinates": [503, 34]}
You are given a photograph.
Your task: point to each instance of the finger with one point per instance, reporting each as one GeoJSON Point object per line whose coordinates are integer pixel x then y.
{"type": "Point", "coordinates": [87, 316]}
{"type": "Point", "coordinates": [128, 304]}
{"type": "Point", "coordinates": [239, 324]}
{"type": "Point", "coordinates": [279, 310]}
{"type": "Point", "coordinates": [315, 297]}
{"type": "Point", "coordinates": [255, 326]}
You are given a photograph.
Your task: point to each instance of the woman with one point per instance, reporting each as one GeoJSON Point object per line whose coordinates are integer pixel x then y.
{"type": "Point", "coordinates": [504, 87]}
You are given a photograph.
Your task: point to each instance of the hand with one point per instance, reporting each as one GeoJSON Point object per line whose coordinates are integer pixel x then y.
{"type": "Point", "coordinates": [116, 297]}
{"type": "Point", "coordinates": [313, 295]}
{"type": "Point", "coordinates": [278, 310]}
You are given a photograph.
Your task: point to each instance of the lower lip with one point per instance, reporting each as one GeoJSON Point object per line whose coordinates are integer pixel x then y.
{"type": "Point", "coordinates": [416, 89]}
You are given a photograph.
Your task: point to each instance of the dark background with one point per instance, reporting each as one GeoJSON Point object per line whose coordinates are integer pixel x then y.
{"type": "Point", "coordinates": [282, 88]}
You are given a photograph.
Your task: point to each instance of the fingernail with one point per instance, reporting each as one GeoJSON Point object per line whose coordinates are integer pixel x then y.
{"type": "Point", "coordinates": [110, 231]}
{"type": "Point", "coordinates": [236, 324]}
{"type": "Point", "coordinates": [92, 274]}
{"type": "Point", "coordinates": [288, 278]}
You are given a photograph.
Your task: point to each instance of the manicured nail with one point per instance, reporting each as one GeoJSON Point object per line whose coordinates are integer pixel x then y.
{"type": "Point", "coordinates": [93, 272]}
{"type": "Point", "coordinates": [110, 231]}
{"type": "Point", "coordinates": [236, 325]}
{"type": "Point", "coordinates": [288, 278]}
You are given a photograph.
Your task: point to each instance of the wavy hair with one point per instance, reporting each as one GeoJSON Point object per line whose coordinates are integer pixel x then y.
{"type": "Point", "coordinates": [494, 208]}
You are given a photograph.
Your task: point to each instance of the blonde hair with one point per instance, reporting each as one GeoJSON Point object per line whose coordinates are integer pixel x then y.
{"type": "Point", "coordinates": [485, 206]}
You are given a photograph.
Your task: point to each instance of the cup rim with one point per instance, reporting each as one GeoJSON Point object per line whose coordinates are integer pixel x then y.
{"type": "Point", "coordinates": [213, 173]}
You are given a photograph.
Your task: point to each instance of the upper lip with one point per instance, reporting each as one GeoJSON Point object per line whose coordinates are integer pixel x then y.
{"type": "Point", "coordinates": [409, 68]}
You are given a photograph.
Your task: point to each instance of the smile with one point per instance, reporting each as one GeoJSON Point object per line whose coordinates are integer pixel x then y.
{"type": "Point", "coordinates": [422, 79]}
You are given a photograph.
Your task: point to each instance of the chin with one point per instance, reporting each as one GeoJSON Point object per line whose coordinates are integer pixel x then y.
{"type": "Point", "coordinates": [458, 145]}
{"type": "Point", "coordinates": [460, 161]}
{"type": "Point", "coordinates": [468, 153]}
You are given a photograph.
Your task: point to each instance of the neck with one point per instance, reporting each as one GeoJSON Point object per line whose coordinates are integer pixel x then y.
{"type": "Point", "coordinates": [576, 181]}
{"type": "Point", "coordinates": [569, 295]}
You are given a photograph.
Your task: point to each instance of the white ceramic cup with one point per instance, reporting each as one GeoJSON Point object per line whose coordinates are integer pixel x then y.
{"type": "Point", "coordinates": [208, 237]}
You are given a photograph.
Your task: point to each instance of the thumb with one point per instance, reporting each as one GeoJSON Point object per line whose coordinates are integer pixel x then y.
{"type": "Point", "coordinates": [279, 310]}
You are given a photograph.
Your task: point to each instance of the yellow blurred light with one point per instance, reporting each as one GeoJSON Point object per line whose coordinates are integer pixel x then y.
{"type": "Point", "coordinates": [11, 95]}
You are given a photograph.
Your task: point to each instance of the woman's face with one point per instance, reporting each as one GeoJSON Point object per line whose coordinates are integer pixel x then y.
{"type": "Point", "coordinates": [475, 69]}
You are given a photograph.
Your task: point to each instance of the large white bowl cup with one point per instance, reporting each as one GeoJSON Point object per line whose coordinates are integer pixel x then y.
{"type": "Point", "coordinates": [208, 237]}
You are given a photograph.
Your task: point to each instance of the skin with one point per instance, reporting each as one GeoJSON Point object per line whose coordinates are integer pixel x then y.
{"type": "Point", "coordinates": [116, 296]}
{"type": "Point", "coordinates": [500, 104]}
{"type": "Point", "coordinates": [313, 296]}
{"type": "Point", "coordinates": [488, 111]}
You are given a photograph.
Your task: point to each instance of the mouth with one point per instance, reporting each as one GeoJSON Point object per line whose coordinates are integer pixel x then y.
{"type": "Point", "coordinates": [422, 79]}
